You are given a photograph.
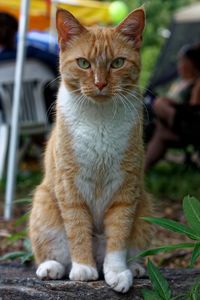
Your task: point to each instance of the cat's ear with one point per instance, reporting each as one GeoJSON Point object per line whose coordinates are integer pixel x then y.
{"type": "Point", "coordinates": [67, 26]}
{"type": "Point", "coordinates": [132, 27]}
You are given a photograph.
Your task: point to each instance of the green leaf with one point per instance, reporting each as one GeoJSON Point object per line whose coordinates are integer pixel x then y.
{"type": "Point", "coordinates": [27, 245]}
{"type": "Point", "coordinates": [22, 219]}
{"type": "Point", "coordinates": [191, 207]}
{"type": "Point", "coordinates": [195, 291]}
{"type": "Point", "coordinates": [26, 258]}
{"type": "Point", "coordinates": [173, 226]}
{"type": "Point", "coordinates": [13, 255]}
{"type": "Point", "coordinates": [164, 249]}
{"type": "Point", "coordinates": [150, 295]}
{"type": "Point", "coordinates": [195, 254]}
{"type": "Point", "coordinates": [17, 236]}
{"type": "Point", "coordinates": [23, 201]}
{"type": "Point", "coordinates": [159, 283]}
{"type": "Point", "coordinates": [180, 296]}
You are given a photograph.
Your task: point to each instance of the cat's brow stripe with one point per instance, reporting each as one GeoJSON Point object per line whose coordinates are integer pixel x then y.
{"type": "Point", "coordinates": [109, 47]}
{"type": "Point", "coordinates": [103, 48]}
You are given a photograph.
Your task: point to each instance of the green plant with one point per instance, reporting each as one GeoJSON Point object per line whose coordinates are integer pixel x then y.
{"type": "Point", "coordinates": [181, 185]}
{"type": "Point", "coordinates": [191, 208]}
{"type": "Point", "coordinates": [194, 292]}
{"type": "Point", "coordinates": [161, 289]}
{"type": "Point", "coordinates": [26, 254]}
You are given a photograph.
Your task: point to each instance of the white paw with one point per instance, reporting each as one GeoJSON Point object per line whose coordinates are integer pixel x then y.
{"type": "Point", "coordinates": [50, 269]}
{"type": "Point", "coordinates": [137, 270]}
{"type": "Point", "coordinates": [119, 281]}
{"type": "Point", "coordinates": [82, 272]}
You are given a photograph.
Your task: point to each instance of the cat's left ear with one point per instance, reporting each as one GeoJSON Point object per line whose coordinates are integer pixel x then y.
{"type": "Point", "coordinates": [67, 26]}
{"type": "Point", "coordinates": [132, 27]}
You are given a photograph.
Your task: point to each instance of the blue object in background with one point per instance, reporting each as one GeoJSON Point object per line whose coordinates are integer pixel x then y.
{"type": "Point", "coordinates": [43, 40]}
{"type": "Point", "coordinates": [41, 46]}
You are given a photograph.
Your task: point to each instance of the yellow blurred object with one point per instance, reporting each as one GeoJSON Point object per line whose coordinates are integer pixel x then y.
{"type": "Point", "coordinates": [39, 12]}
{"type": "Point", "coordinates": [89, 12]}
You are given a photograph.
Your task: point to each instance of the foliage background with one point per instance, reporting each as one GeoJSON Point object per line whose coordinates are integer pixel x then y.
{"type": "Point", "coordinates": [159, 13]}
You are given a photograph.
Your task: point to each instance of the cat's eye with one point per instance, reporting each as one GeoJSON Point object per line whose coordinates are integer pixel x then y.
{"type": "Point", "coordinates": [117, 63]}
{"type": "Point", "coordinates": [83, 63]}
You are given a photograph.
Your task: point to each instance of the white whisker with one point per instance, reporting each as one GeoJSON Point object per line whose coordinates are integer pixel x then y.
{"type": "Point", "coordinates": [131, 105]}
{"type": "Point", "coordinates": [50, 83]}
{"type": "Point", "coordinates": [115, 107]}
{"type": "Point", "coordinates": [124, 104]}
{"type": "Point", "coordinates": [139, 98]}
{"type": "Point", "coordinates": [51, 107]}
{"type": "Point", "coordinates": [80, 101]}
{"type": "Point", "coordinates": [139, 87]}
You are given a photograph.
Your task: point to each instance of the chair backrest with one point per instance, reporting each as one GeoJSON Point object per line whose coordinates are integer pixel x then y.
{"type": "Point", "coordinates": [33, 115]}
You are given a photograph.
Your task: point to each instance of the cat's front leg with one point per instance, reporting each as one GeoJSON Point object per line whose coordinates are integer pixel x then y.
{"type": "Point", "coordinates": [118, 223]}
{"type": "Point", "coordinates": [116, 272]}
{"type": "Point", "coordinates": [78, 226]}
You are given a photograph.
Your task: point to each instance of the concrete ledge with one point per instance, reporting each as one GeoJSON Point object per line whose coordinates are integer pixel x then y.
{"type": "Point", "coordinates": [20, 283]}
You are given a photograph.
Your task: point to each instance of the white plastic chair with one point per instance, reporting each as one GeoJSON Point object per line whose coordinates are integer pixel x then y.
{"type": "Point", "coordinates": [33, 115]}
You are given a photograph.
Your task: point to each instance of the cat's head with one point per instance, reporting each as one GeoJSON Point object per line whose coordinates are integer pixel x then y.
{"type": "Point", "coordinates": [100, 62]}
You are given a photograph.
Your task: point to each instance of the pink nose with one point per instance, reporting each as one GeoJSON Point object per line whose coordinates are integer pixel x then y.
{"type": "Point", "coordinates": [101, 84]}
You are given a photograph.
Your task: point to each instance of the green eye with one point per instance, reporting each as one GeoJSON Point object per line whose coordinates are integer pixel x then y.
{"type": "Point", "coordinates": [117, 63]}
{"type": "Point", "coordinates": [83, 63]}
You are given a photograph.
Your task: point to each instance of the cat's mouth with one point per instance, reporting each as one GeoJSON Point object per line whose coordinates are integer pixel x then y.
{"type": "Point", "coordinates": [100, 98]}
{"type": "Point", "coordinates": [97, 96]}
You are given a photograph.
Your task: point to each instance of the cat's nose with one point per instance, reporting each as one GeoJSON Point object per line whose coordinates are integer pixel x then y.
{"type": "Point", "coordinates": [101, 84]}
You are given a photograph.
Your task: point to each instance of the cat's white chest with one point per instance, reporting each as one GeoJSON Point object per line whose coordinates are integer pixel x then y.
{"type": "Point", "coordinates": [100, 136]}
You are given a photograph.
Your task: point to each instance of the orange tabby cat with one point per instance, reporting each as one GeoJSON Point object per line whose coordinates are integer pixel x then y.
{"type": "Point", "coordinates": [86, 212]}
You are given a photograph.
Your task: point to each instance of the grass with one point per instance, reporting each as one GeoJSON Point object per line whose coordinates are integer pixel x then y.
{"type": "Point", "coordinates": [26, 183]}
{"type": "Point", "coordinates": [173, 181]}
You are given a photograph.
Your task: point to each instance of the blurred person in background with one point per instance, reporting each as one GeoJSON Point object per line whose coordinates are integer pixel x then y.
{"type": "Point", "coordinates": [8, 41]}
{"type": "Point", "coordinates": [8, 30]}
{"type": "Point", "coordinates": [171, 109]}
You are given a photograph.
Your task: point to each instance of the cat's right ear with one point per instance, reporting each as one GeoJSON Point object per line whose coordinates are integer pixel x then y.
{"type": "Point", "coordinates": [132, 27]}
{"type": "Point", "coordinates": [67, 26]}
